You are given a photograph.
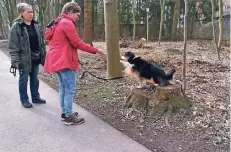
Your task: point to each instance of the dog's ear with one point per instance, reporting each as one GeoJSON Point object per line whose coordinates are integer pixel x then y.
{"type": "Point", "coordinates": [132, 55]}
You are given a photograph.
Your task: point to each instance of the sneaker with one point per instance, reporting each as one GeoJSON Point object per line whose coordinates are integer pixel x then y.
{"type": "Point", "coordinates": [73, 120]}
{"type": "Point", "coordinates": [63, 116]}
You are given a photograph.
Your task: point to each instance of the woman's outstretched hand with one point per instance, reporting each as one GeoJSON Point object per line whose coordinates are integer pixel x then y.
{"type": "Point", "coordinates": [101, 52]}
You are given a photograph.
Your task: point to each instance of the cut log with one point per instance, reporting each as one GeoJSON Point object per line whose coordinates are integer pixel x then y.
{"type": "Point", "coordinates": [163, 100]}
{"type": "Point", "coordinates": [141, 43]}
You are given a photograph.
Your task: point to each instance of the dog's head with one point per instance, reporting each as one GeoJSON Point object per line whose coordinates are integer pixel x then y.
{"type": "Point", "coordinates": [128, 55]}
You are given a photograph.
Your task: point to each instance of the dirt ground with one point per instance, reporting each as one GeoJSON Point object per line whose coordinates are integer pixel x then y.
{"type": "Point", "coordinates": [204, 128]}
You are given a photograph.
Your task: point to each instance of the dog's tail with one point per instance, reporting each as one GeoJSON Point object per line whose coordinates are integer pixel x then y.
{"type": "Point", "coordinates": [170, 73]}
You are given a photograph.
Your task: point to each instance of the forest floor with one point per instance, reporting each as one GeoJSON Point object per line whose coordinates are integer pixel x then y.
{"type": "Point", "coordinates": [204, 128]}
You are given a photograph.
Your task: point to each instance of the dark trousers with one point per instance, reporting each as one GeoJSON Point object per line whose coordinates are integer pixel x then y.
{"type": "Point", "coordinates": [34, 84]}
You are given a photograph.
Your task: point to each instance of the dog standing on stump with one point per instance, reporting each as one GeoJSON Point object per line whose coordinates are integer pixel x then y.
{"type": "Point", "coordinates": [146, 71]}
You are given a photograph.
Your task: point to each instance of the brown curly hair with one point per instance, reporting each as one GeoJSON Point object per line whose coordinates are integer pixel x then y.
{"type": "Point", "coordinates": [71, 6]}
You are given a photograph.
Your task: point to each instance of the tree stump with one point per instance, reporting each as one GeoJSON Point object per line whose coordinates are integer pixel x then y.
{"type": "Point", "coordinates": [137, 99]}
{"type": "Point", "coordinates": [131, 44]}
{"type": "Point", "coordinates": [141, 43]}
{"type": "Point", "coordinates": [164, 94]}
{"type": "Point", "coordinates": [124, 44]}
{"type": "Point", "coordinates": [163, 101]}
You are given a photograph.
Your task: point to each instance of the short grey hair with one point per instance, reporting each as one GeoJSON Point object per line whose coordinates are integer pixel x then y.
{"type": "Point", "coordinates": [21, 7]}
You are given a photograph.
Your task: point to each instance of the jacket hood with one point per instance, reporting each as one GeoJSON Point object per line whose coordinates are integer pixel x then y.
{"type": "Point", "coordinates": [21, 21]}
{"type": "Point", "coordinates": [66, 16]}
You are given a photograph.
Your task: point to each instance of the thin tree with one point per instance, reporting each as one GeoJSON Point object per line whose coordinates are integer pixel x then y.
{"type": "Point", "coordinates": [1, 25]}
{"type": "Point", "coordinates": [42, 7]}
{"type": "Point", "coordinates": [134, 19]}
{"type": "Point", "coordinates": [221, 23]}
{"type": "Point", "coordinates": [185, 44]}
{"type": "Point", "coordinates": [214, 33]}
{"type": "Point", "coordinates": [112, 39]}
{"type": "Point", "coordinates": [162, 5]}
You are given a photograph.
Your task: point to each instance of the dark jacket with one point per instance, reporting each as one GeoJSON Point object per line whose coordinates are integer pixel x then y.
{"type": "Point", "coordinates": [19, 44]}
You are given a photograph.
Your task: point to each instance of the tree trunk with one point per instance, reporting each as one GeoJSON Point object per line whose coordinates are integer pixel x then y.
{"type": "Point", "coordinates": [162, 4]}
{"type": "Point", "coordinates": [175, 20]}
{"type": "Point", "coordinates": [1, 26]}
{"type": "Point", "coordinates": [7, 5]}
{"type": "Point", "coordinates": [112, 39]}
{"type": "Point", "coordinates": [214, 33]}
{"type": "Point", "coordinates": [53, 10]}
{"type": "Point", "coordinates": [87, 33]}
{"type": "Point", "coordinates": [199, 10]}
{"type": "Point", "coordinates": [185, 43]}
{"type": "Point", "coordinates": [48, 12]}
{"type": "Point", "coordinates": [221, 23]}
{"type": "Point", "coordinates": [134, 20]}
{"type": "Point", "coordinates": [41, 5]}
{"type": "Point", "coordinates": [58, 7]}
{"type": "Point", "coordinates": [12, 9]}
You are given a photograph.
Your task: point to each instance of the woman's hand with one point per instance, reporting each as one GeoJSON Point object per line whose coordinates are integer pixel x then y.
{"type": "Point", "coordinates": [101, 52]}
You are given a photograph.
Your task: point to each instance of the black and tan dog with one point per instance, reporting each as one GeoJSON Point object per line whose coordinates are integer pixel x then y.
{"type": "Point", "coordinates": [145, 71]}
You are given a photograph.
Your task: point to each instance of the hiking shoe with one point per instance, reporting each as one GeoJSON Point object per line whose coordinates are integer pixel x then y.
{"type": "Point", "coordinates": [39, 101]}
{"type": "Point", "coordinates": [73, 120]}
{"type": "Point", "coordinates": [27, 104]}
{"type": "Point", "coordinates": [63, 116]}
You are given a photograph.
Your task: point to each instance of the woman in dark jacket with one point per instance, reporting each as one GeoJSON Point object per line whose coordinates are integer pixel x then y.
{"type": "Point", "coordinates": [27, 50]}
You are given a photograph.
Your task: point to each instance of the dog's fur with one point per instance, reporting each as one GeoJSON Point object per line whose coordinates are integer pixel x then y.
{"type": "Point", "coordinates": [145, 71]}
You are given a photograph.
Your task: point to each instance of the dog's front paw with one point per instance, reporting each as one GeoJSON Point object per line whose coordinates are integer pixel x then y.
{"type": "Point", "coordinates": [156, 85]}
{"type": "Point", "coordinates": [139, 86]}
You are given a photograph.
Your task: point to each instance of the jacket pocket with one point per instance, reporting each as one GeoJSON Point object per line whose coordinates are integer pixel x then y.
{"type": "Point", "coordinates": [23, 41]}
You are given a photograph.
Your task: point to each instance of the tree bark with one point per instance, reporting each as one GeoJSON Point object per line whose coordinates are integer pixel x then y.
{"type": "Point", "coordinates": [185, 44]}
{"type": "Point", "coordinates": [112, 39]}
{"type": "Point", "coordinates": [162, 4]}
{"type": "Point", "coordinates": [214, 33]}
{"type": "Point", "coordinates": [175, 20]}
{"type": "Point", "coordinates": [87, 33]}
{"type": "Point", "coordinates": [221, 23]}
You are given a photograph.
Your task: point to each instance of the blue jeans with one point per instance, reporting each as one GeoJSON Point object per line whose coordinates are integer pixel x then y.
{"type": "Point", "coordinates": [67, 85]}
{"type": "Point", "coordinates": [34, 84]}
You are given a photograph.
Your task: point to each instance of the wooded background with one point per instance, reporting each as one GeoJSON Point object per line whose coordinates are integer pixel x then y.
{"type": "Point", "coordinates": [199, 17]}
